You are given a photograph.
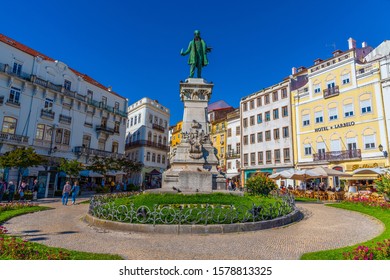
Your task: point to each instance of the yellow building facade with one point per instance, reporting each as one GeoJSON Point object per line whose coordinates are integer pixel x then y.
{"type": "Point", "coordinates": [176, 134]}
{"type": "Point", "coordinates": [218, 138]}
{"type": "Point", "coordinates": [338, 113]}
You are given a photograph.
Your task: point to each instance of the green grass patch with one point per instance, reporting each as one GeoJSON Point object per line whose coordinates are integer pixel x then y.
{"type": "Point", "coordinates": [8, 214]}
{"type": "Point", "coordinates": [14, 248]}
{"type": "Point", "coordinates": [307, 199]}
{"type": "Point", "coordinates": [337, 254]}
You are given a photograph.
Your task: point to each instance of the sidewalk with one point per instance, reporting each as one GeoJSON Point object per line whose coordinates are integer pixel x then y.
{"type": "Point", "coordinates": [322, 228]}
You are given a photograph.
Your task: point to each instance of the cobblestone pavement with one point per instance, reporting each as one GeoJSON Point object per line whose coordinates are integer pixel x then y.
{"type": "Point", "coordinates": [322, 228]}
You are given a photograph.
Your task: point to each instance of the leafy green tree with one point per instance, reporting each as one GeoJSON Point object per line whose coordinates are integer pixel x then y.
{"type": "Point", "coordinates": [260, 185]}
{"type": "Point", "coordinates": [383, 185]}
{"type": "Point", "coordinates": [21, 158]}
{"type": "Point", "coordinates": [72, 168]}
{"type": "Point", "coordinates": [98, 165]}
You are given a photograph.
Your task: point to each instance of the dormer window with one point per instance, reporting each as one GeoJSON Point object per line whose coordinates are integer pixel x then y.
{"type": "Point", "coordinates": [67, 84]}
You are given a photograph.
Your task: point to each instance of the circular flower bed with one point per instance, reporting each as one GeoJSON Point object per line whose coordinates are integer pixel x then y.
{"type": "Point", "coordinates": [198, 209]}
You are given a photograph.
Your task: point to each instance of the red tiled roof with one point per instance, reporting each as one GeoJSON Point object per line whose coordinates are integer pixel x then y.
{"type": "Point", "coordinates": [34, 53]}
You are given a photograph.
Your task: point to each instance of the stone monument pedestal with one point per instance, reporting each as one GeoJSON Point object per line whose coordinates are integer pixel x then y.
{"type": "Point", "coordinates": [193, 162]}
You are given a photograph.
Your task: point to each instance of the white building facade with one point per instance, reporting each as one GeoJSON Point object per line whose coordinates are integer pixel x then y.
{"type": "Point", "coordinates": [233, 144]}
{"type": "Point", "coordinates": [147, 137]}
{"type": "Point", "coordinates": [382, 54]}
{"type": "Point", "coordinates": [266, 138]}
{"type": "Point", "coordinates": [57, 110]}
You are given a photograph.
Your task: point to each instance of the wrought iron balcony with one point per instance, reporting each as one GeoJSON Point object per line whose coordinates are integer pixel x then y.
{"type": "Point", "coordinates": [104, 128]}
{"type": "Point", "coordinates": [158, 127]}
{"type": "Point", "coordinates": [13, 102]}
{"type": "Point", "coordinates": [141, 143]}
{"type": "Point", "coordinates": [47, 114]}
{"type": "Point", "coordinates": [80, 150]}
{"type": "Point", "coordinates": [65, 119]}
{"type": "Point", "coordinates": [232, 154]}
{"type": "Point", "coordinates": [330, 92]}
{"type": "Point", "coordinates": [13, 138]}
{"type": "Point", "coordinates": [338, 155]}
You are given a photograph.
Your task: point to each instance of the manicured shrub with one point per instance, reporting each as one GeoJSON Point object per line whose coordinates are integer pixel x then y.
{"type": "Point", "coordinates": [260, 185]}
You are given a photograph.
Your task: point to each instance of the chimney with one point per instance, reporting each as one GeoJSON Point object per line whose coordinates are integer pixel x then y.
{"type": "Point", "coordinates": [351, 43]}
{"type": "Point", "coordinates": [109, 88]}
{"type": "Point", "coordinates": [364, 44]}
{"type": "Point", "coordinates": [293, 70]}
{"type": "Point", "coordinates": [317, 61]}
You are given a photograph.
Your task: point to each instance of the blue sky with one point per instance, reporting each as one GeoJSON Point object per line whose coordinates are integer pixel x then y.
{"type": "Point", "coordinates": [134, 46]}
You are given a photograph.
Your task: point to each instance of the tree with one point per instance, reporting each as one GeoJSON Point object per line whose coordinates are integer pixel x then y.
{"type": "Point", "coordinates": [103, 165]}
{"type": "Point", "coordinates": [383, 185]}
{"type": "Point", "coordinates": [72, 168]}
{"type": "Point", "coordinates": [130, 166]}
{"type": "Point", "coordinates": [21, 158]}
{"type": "Point", "coordinates": [260, 185]}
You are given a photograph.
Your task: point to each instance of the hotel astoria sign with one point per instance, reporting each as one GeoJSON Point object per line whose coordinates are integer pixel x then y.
{"type": "Point", "coordinates": [340, 125]}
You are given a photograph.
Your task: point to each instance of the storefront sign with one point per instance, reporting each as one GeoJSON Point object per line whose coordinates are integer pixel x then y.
{"type": "Point", "coordinates": [340, 125]}
{"type": "Point", "coordinates": [353, 167]}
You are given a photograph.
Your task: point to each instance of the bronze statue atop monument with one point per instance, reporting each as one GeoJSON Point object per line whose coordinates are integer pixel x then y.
{"type": "Point", "coordinates": [197, 50]}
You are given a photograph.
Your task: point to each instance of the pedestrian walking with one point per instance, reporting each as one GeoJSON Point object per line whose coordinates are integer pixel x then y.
{"type": "Point", "coordinates": [22, 190]}
{"type": "Point", "coordinates": [75, 192]}
{"type": "Point", "coordinates": [65, 193]}
{"type": "Point", "coordinates": [11, 191]}
{"type": "Point", "coordinates": [3, 189]}
{"type": "Point", "coordinates": [35, 190]}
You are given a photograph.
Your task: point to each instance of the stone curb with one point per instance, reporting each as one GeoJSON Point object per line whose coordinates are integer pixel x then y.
{"type": "Point", "coordinates": [294, 216]}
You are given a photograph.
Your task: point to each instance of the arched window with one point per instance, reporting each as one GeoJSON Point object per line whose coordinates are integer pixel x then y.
{"type": "Point", "coordinates": [150, 136]}
{"type": "Point", "coordinates": [163, 160]}
{"type": "Point", "coordinates": [153, 157]}
{"type": "Point", "coordinates": [165, 141]}
{"type": "Point", "coordinates": [159, 140]}
{"type": "Point", "coordinates": [158, 158]}
{"type": "Point", "coordinates": [148, 156]}
{"type": "Point", "coordinates": [155, 138]}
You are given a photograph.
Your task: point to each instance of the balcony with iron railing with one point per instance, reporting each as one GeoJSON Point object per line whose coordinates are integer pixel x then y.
{"type": "Point", "coordinates": [80, 150]}
{"type": "Point", "coordinates": [143, 143]}
{"type": "Point", "coordinates": [13, 102]}
{"type": "Point", "coordinates": [105, 128]}
{"type": "Point", "coordinates": [334, 156]}
{"type": "Point", "coordinates": [13, 72]}
{"type": "Point", "coordinates": [332, 91]}
{"type": "Point", "coordinates": [158, 127]}
{"type": "Point", "coordinates": [59, 88]}
{"type": "Point", "coordinates": [48, 114]}
{"type": "Point", "coordinates": [232, 154]}
{"type": "Point", "coordinates": [13, 138]}
{"type": "Point", "coordinates": [65, 119]}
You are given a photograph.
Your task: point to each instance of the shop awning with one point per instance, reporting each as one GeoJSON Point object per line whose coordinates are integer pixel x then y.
{"type": "Point", "coordinates": [154, 172]}
{"type": "Point", "coordinates": [114, 173]}
{"type": "Point", "coordinates": [90, 173]}
{"type": "Point", "coordinates": [231, 175]}
{"type": "Point", "coordinates": [369, 171]}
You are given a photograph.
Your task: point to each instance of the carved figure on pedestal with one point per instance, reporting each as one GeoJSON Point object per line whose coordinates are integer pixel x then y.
{"type": "Point", "coordinates": [196, 145]}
